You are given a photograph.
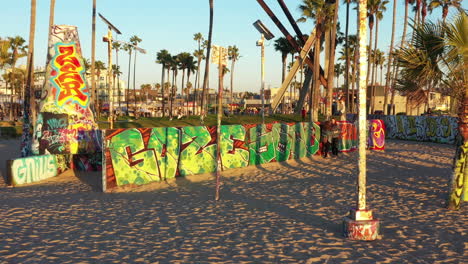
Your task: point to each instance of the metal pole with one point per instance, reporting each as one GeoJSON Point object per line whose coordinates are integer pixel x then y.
{"type": "Point", "coordinates": [263, 77]}
{"type": "Point", "coordinates": [109, 75]}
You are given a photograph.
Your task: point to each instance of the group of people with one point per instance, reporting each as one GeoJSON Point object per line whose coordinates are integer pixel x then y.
{"type": "Point", "coordinates": [330, 133]}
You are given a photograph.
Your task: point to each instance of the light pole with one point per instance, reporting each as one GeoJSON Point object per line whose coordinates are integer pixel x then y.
{"type": "Point", "coordinates": [108, 39]}
{"type": "Point", "coordinates": [265, 34]}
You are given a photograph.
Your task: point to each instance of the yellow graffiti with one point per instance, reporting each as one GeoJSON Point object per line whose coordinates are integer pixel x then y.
{"type": "Point", "coordinates": [68, 76]}
{"type": "Point", "coordinates": [457, 185]}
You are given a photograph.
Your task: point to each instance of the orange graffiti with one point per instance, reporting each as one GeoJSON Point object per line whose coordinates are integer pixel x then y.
{"type": "Point", "coordinates": [68, 78]}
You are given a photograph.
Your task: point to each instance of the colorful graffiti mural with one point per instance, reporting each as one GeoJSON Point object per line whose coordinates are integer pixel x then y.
{"type": "Point", "coordinates": [459, 180]}
{"type": "Point", "coordinates": [142, 155]}
{"type": "Point", "coordinates": [36, 168]}
{"type": "Point", "coordinates": [376, 139]}
{"type": "Point", "coordinates": [65, 123]}
{"type": "Point", "coordinates": [438, 129]}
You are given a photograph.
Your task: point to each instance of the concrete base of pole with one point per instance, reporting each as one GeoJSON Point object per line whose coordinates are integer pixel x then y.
{"type": "Point", "coordinates": [360, 225]}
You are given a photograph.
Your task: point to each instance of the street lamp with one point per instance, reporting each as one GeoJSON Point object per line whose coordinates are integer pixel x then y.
{"type": "Point", "coordinates": [265, 34]}
{"type": "Point", "coordinates": [108, 39]}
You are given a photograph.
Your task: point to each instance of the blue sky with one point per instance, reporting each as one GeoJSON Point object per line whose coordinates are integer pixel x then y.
{"type": "Point", "coordinates": [171, 25]}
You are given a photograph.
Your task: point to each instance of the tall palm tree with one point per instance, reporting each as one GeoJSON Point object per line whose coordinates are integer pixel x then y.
{"type": "Point", "coordinates": [18, 50]}
{"type": "Point", "coordinates": [445, 5]}
{"type": "Point", "coordinates": [207, 61]}
{"type": "Point", "coordinates": [318, 10]}
{"type": "Point", "coordinates": [162, 58]}
{"type": "Point", "coordinates": [51, 23]}
{"type": "Point", "coordinates": [134, 40]}
{"type": "Point", "coordinates": [190, 67]}
{"type": "Point", "coordinates": [184, 58]}
{"type": "Point", "coordinates": [389, 63]}
{"type": "Point", "coordinates": [233, 56]}
{"type": "Point", "coordinates": [93, 56]}
{"type": "Point", "coordinates": [117, 46]}
{"type": "Point", "coordinates": [332, 49]}
{"type": "Point", "coordinates": [456, 58]}
{"type": "Point", "coordinates": [380, 8]}
{"type": "Point", "coordinates": [282, 45]}
{"type": "Point", "coordinates": [99, 66]}
{"type": "Point", "coordinates": [129, 49]}
{"type": "Point", "coordinates": [115, 74]}
{"type": "Point", "coordinates": [29, 99]}
{"type": "Point", "coordinates": [200, 54]}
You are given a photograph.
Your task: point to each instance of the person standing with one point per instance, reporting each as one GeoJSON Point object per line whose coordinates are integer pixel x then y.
{"type": "Point", "coordinates": [334, 134]}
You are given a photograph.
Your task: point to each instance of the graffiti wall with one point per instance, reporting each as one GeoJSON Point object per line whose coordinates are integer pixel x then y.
{"type": "Point", "coordinates": [36, 168]}
{"type": "Point", "coordinates": [438, 129]}
{"type": "Point", "coordinates": [376, 139]}
{"type": "Point", "coordinates": [143, 155]}
{"type": "Point", "coordinates": [65, 123]}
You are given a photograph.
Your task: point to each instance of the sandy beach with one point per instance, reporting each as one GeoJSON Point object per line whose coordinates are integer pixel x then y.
{"type": "Point", "coordinates": [288, 212]}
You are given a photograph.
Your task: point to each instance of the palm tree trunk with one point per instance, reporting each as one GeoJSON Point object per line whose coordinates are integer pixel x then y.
{"type": "Point", "coordinates": [232, 83]}
{"type": "Point", "coordinates": [207, 61]}
{"type": "Point", "coordinates": [331, 64]}
{"type": "Point", "coordinates": [128, 78]}
{"type": "Point", "coordinates": [459, 175]}
{"type": "Point", "coordinates": [347, 58]}
{"type": "Point", "coordinates": [30, 98]}
{"type": "Point", "coordinates": [94, 99]}
{"type": "Point", "coordinates": [369, 56]}
{"type": "Point", "coordinates": [134, 81]}
{"type": "Point", "coordinates": [315, 94]}
{"type": "Point", "coordinates": [374, 67]}
{"type": "Point", "coordinates": [51, 24]}
{"type": "Point", "coordinates": [389, 61]}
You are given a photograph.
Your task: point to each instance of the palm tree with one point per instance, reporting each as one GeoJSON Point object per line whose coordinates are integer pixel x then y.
{"type": "Point", "coordinates": [93, 56]}
{"type": "Point", "coordinates": [117, 46]}
{"type": "Point", "coordinates": [51, 23]}
{"type": "Point", "coordinates": [129, 49]}
{"type": "Point", "coordinates": [456, 59]}
{"type": "Point", "coordinates": [389, 63]}
{"type": "Point", "coordinates": [380, 8]}
{"type": "Point", "coordinates": [282, 45]}
{"type": "Point", "coordinates": [332, 49]}
{"type": "Point", "coordinates": [445, 5]}
{"type": "Point", "coordinates": [233, 56]}
{"type": "Point", "coordinates": [190, 67]}
{"type": "Point", "coordinates": [99, 66]}
{"type": "Point", "coordinates": [318, 10]}
{"type": "Point", "coordinates": [207, 61]}
{"type": "Point", "coordinates": [420, 59]}
{"type": "Point", "coordinates": [184, 58]}
{"type": "Point", "coordinates": [162, 58]}
{"type": "Point", "coordinates": [29, 101]}
{"type": "Point", "coordinates": [134, 40]}
{"type": "Point", "coordinates": [200, 54]}
{"type": "Point", "coordinates": [18, 50]}
{"type": "Point", "coordinates": [115, 74]}
{"type": "Point", "coordinates": [339, 69]}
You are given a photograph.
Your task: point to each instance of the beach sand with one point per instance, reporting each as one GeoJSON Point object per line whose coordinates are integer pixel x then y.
{"type": "Point", "coordinates": [288, 212]}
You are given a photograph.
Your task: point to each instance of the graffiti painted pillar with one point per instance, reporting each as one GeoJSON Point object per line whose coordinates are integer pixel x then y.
{"type": "Point", "coordinates": [64, 110]}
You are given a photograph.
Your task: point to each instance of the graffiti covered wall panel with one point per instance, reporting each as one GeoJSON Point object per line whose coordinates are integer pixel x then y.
{"type": "Point", "coordinates": [65, 115]}
{"type": "Point", "coordinates": [36, 168]}
{"type": "Point", "coordinates": [439, 129]}
{"type": "Point", "coordinates": [143, 155]}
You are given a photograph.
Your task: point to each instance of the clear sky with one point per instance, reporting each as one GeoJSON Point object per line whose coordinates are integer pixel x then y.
{"type": "Point", "coordinates": [171, 25]}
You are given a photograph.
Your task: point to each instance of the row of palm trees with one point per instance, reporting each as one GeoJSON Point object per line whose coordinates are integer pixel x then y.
{"type": "Point", "coordinates": [322, 13]}
{"type": "Point", "coordinates": [11, 50]}
{"type": "Point", "coordinates": [189, 64]}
